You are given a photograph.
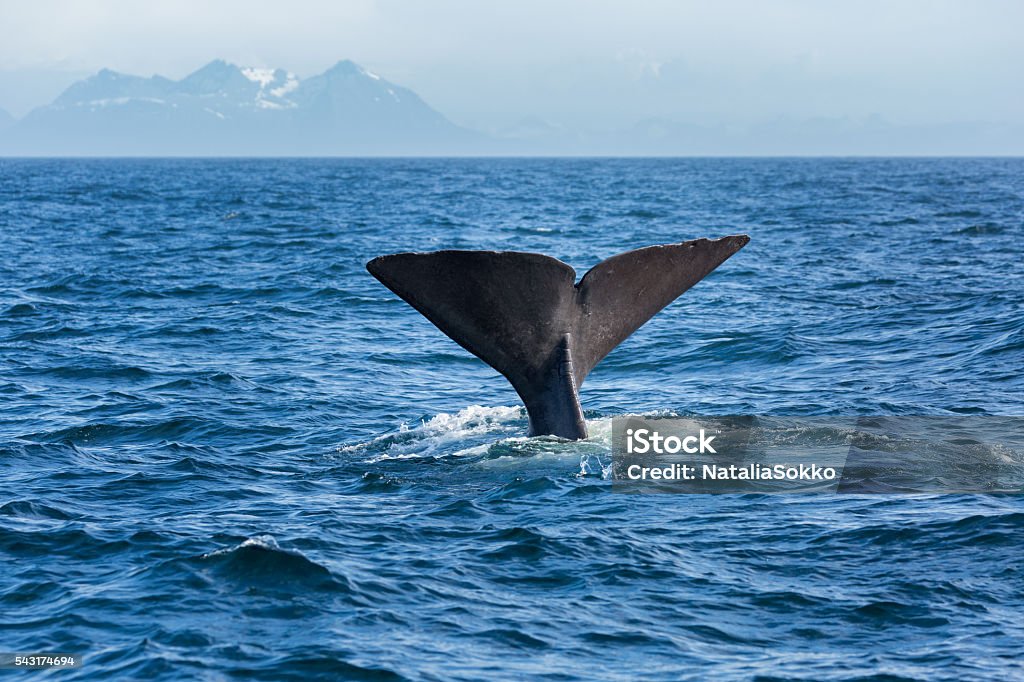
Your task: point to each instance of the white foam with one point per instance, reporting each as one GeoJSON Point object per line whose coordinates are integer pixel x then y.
{"type": "Point", "coordinates": [447, 433]}
{"type": "Point", "coordinates": [261, 541]}
{"type": "Point", "coordinates": [442, 433]}
{"type": "Point", "coordinates": [593, 465]}
{"type": "Point", "coordinates": [475, 431]}
{"type": "Point", "coordinates": [472, 419]}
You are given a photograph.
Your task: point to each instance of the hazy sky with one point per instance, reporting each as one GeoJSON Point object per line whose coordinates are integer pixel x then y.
{"type": "Point", "coordinates": [580, 64]}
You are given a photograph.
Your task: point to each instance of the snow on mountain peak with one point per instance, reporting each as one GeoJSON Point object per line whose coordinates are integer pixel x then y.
{"type": "Point", "coordinates": [257, 75]}
{"type": "Point", "coordinates": [274, 85]}
{"type": "Point", "coordinates": [290, 83]}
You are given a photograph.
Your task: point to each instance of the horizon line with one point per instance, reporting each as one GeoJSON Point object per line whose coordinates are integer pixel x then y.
{"type": "Point", "coordinates": [511, 157]}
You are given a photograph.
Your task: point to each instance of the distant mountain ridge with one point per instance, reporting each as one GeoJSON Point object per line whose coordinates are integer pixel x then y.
{"type": "Point", "coordinates": [224, 109]}
{"type": "Point", "coordinates": [230, 110]}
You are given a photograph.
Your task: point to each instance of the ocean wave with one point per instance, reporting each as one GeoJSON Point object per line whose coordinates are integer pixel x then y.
{"type": "Point", "coordinates": [115, 432]}
{"type": "Point", "coordinates": [259, 560]}
{"type": "Point", "coordinates": [26, 509]}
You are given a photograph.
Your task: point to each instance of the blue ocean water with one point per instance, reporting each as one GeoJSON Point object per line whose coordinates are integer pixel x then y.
{"type": "Point", "coordinates": [228, 452]}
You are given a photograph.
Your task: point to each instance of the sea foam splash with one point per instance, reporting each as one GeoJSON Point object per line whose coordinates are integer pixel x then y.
{"type": "Point", "coordinates": [440, 434]}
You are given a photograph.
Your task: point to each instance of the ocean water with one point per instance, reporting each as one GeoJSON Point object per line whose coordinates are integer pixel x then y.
{"type": "Point", "coordinates": [228, 452]}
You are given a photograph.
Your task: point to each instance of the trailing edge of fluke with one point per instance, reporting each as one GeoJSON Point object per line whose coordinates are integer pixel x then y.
{"type": "Point", "coordinates": [525, 315]}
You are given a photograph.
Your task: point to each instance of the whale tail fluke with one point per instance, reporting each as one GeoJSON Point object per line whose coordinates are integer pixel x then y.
{"type": "Point", "coordinates": [524, 314]}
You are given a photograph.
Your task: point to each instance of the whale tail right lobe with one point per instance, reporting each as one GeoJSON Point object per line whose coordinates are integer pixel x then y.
{"type": "Point", "coordinates": [523, 313]}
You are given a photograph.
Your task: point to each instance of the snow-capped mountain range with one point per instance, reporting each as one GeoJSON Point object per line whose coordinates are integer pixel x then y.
{"type": "Point", "coordinates": [226, 109]}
